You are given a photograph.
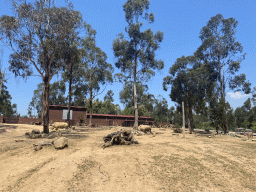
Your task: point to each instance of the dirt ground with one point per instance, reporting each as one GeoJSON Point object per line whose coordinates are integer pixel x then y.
{"type": "Point", "coordinates": [165, 162]}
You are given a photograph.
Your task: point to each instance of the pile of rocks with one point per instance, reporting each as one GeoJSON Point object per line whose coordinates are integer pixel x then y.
{"type": "Point", "coordinates": [58, 141]}
{"type": "Point", "coordinates": [35, 133]}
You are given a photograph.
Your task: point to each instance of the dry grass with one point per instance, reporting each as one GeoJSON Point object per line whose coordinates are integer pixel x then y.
{"type": "Point", "coordinates": [165, 162]}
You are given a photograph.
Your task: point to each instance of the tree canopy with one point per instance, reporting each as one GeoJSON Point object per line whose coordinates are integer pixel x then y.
{"type": "Point", "coordinates": [222, 51]}
{"type": "Point", "coordinates": [38, 35]}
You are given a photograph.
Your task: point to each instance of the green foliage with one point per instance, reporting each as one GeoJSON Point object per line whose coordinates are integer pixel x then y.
{"type": "Point", "coordinates": [217, 115]}
{"type": "Point", "coordinates": [95, 70]}
{"type": "Point", "coordinates": [109, 96]}
{"type": "Point", "coordinates": [56, 97]}
{"type": "Point", "coordinates": [160, 111]}
{"type": "Point", "coordinates": [222, 51]}
{"type": "Point", "coordinates": [105, 107]}
{"type": "Point", "coordinates": [240, 116]}
{"type": "Point", "coordinates": [143, 111]}
{"type": "Point", "coordinates": [192, 85]}
{"type": "Point", "coordinates": [177, 117]}
{"type": "Point", "coordinates": [246, 124]}
{"type": "Point", "coordinates": [245, 115]}
{"type": "Point", "coordinates": [128, 111]}
{"type": "Point", "coordinates": [39, 34]}
{"type": "Point", "coordinates": [6, 108]}
{"type": "Point", "coordinates": [253, 127]}
{"type": "Point", "coordinates": [138, 48]}
{"type": "Point", "coordinates": [143, 98]}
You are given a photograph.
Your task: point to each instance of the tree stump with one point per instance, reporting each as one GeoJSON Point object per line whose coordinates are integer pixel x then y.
{"type": "Point", "coordinates": [122, 137]}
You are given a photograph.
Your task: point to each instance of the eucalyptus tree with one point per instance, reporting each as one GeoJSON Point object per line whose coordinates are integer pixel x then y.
{"type": "Point", "coordinates": [145, 100]}
{"type": "Point", "coordinates": [224, 53]}
{"type": "Point", "coordinates": [192, 85]}
{"type": "Point", "coordinates": [160, 110]}
{"type": "Point", "coordinates": [94, 67]}
{"type": "Point", "coordinates": [138, 48]}
{"type": "Point", "coordinates": [1, 72]}
{"type": "Point", "coordinates": [56, 96]}
{"type": "Point", "coordinates": [39, 34]}
{"type": "Point", "coordinates": [105, 107]}
{"type": "Point", "coordinates": [109, 96]}
{"type": "Point", "coordinates": [71, 72]}
{"type": "Point", "coordinates": [6, 108]}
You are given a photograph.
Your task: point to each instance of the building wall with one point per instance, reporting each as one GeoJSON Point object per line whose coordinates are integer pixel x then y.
{"type": "Point", "coordinates": [56, 114]}
{"type": "Point", "coordinates": [1, 119]}
{"type": "Point", "coordinates": [28, 120]}
{"type": "Point", "coordinates": [113, 120]}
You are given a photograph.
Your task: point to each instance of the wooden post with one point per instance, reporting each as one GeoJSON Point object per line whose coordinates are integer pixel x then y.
{"type": "Point", "coordinates": [183, 127]}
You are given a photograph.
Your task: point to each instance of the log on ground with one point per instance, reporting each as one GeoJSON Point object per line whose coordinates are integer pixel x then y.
{"type": "Point", "coordinates": [122, 137]}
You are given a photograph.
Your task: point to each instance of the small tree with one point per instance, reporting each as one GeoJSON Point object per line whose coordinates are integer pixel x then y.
{"type": "Point", "coordinates": [95, 70]}
{"type": "Point", "coordinates": [6, 108]}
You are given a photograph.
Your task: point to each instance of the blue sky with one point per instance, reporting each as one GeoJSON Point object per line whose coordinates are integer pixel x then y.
{"type": "Point", "coordinates": [180, 21]}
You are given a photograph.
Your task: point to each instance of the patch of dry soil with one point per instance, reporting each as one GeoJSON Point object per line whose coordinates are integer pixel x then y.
{"type": "Point", "coordinates": [165, 162]}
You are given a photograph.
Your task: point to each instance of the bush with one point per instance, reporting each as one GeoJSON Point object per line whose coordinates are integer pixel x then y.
{"type": "Point", "coordinates": [177, 130]}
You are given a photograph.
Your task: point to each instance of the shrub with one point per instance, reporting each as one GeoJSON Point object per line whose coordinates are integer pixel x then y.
{"type": "Point", "coordinates": [177, 130]}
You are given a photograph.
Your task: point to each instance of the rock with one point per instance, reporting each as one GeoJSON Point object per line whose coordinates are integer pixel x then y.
{"type": "Point", "coordinates": [60, 143]}
{"type": "Point", "coordinates": [44, 135]}
{"type": "Point", "coordinates": [54, 134]}
{"type": "Point", "coordinates": [43, 143]}
{"type": "Point", "coordinates": [40, 144]}
{"type": "Point", "coordinates": [34, 136]}
{"type": "Point", "coordinates": [210, 136]}
{"type": "Point", "coordinates": [27, 134]}
{"type": "Point", "coordinates": [36, 131]}
{"type": "Point", "coordinates": [38, 147]}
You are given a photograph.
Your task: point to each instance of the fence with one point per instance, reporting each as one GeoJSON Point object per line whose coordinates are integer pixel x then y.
{"type": "Point", "coordinates": [12, 120]}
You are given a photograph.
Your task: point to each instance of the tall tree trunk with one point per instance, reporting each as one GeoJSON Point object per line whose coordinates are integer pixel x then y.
{"type": "Point", "coordinates": [70, 91]}
{"type": "Point", "coordinates": [224, 107]}
{"type": "Point", "coordinates": [135, 97]}
{"type": "Point", "coordinates": [46, 105]}
{"type": "Point", "coordinates": [1, 82]}
{"type": "Point", "coordinates": [90, 107]}
{"type": "Point", "coordinates": [190, 115]}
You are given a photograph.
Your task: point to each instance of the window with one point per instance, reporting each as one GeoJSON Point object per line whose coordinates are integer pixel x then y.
{"type": "Point", "coordinates": [65, 114]}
